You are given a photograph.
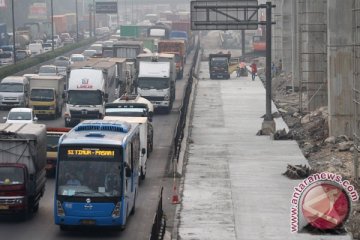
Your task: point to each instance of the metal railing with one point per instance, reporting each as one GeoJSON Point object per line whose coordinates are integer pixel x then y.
{"type": "Point", "coordinates": [179, 129]}
{"type": "Point", "coordinates": [159, 224]}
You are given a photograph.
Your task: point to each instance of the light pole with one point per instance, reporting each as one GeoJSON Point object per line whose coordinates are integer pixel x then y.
{"type": "Point", "coordinates": [94, 7]}
{"type": "Point", "coordinates": [13, 25]}
{"type": "Point", "coordinates": [52, 25]}
{"type": "Point", "coordinates": [77, 21]}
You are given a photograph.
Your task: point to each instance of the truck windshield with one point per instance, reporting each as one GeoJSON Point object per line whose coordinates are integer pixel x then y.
{"type": "Point", "coordinates": [11, 87]}
{"type": "Point", "coordinates": [42, 95]}
{"type": "Point", "coordinates": [5, 55]}
{"type": "Point", "coordinates": [89, 172]}
{"type": "Point", "coordinates": [11, 175]}
{"type": "Point", "coordinates": [154, 83]}
{"type": "Point", "coordinates": [219, 62]}
{"type": "Point", "coordinates": [85, 97]}
{"type": "Point", "coordinates": [52, 141]}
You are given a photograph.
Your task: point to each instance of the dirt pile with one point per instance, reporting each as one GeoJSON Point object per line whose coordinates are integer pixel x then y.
{"type": "Point", "coordinates": [310, 129]}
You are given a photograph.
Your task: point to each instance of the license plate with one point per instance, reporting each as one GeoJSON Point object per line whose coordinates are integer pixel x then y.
{"type": "Point", "coordinates": [4, 207]}
{"type": "Point", "coordinates": [88, 222]}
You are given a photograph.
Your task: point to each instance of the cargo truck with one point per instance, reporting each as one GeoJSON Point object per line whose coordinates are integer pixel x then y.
{"type": "Point", "coordinates": [182, 30]}
{"type": "Point", "coordinates": [154, 82]}
{"type": "Point", "coordinates": [178, 48]}
{"type": "Point", "coordinates": [127, 49]}
{"type": "Point", "coordinates": [22, 167]}
{"type": "Point", "coordinates": [125, 75]}
{"type": "Point", "coordinates": [90, 85]}
{"type": "Point", "coordinates": [47, 95]}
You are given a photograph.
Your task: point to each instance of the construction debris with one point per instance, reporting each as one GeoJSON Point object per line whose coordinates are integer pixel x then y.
{"type": "Point", "coordinates": [298, 171]}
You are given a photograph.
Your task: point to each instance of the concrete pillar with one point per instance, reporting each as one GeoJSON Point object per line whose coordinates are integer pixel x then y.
{"type": "Point", "coordinates": [286, 9]}
{"type": "Point", "coordinates": [277, 31]}
{"type": "Point", "coordinates": [340, 66]}
{"type": "Point", "coordinates": [312, 52]}
{"type": "Point", "coordinates": [295, 44]}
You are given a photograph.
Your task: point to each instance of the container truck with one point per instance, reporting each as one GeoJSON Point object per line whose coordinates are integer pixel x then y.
{"type": "Point", "coordinates": [22, 167]}
{"type": "Point", "coordinates": [90, 85]}
{"type": "Point", "coordinates": [47, 95]}
{"type": "Point", "coordinates": [178, 48]}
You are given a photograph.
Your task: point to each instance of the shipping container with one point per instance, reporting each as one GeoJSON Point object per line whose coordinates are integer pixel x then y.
{"type": "Point", "coordinates": [60, 24]}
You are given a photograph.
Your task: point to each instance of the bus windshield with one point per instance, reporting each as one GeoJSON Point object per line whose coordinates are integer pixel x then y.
{"type": "Point", "coordinates": [129, 112]}
{"type": "Point", "coordinates": [89, 172]}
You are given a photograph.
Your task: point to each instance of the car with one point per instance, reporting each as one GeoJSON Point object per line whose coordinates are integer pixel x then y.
{"type": "Point", "coordinates": [21, 115]}
{"type": "Point", "coordinates": [6, 58]}
{"type": "Point", "coordinates": [88, 53]}
{"type": "Point", "coordinates": [77, 58]}
{"type": "Point", "coordinates": [47, 46]}
{"type": "Point", "coordinates": [62, 64]}
{"type": "Point", "coordinates": [48, 70]}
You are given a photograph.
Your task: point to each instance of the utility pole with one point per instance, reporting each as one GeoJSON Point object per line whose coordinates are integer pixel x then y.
{"type": "Point", "coordinates": [52, 25]}
{"type": "Point", "coordinates": [94, 12]}
{"type": "Point", "coordinates": [13, 25]}
{"type": "Point", "coordinates": [77, 21]}
{"type": "Point", "coordinates": [90, 20]}
{"type": "Point", "coordinates": [268, 125]}
{"type": "Point", "coordinates": [243, 42]}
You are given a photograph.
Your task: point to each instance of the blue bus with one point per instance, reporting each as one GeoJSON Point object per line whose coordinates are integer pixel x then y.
{"type": "Point", "coordinates": [97, 174]}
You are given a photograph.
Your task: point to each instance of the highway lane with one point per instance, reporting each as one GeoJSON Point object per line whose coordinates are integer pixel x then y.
{"type": "Point", "coordinates": [41, 225]}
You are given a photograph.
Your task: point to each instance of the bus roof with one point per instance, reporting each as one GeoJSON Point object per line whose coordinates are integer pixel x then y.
{"type": "Point", "coordinates": [103, 132]}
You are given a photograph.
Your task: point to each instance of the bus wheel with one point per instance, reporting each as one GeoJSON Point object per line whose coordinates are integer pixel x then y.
{"type": "Point", "coordinates": [64, 228]}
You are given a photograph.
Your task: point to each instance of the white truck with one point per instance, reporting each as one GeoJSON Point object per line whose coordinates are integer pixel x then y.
{"type": "Point", "coordinates": [90, 85]}
{"type": "Point", "coordinates": [155, 83]}
{"type": "Point", "coordinates": [135, 109]}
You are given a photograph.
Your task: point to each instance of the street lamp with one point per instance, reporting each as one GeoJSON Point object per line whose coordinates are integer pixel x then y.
{"type": "Point", "coordinates": [13, 25]}
{"type": "Point", "coordinates": [77, 21]}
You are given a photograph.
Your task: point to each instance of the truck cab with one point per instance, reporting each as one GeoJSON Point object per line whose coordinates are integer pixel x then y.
{"type": "Point", "coordinates": [219, 66]}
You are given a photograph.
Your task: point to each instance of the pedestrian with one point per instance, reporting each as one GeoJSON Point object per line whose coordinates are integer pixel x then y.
{"type": "Point", "coordinates": [238, 71]}
{"type": "Point", "coordinates": [279, 67]}
{"type": "Point", "coordinates": [273, 69]}
{"type": "Point", "coordinates": [253, 70]}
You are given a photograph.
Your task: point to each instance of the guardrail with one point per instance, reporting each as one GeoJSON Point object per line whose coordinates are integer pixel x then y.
{"type": "Point", "coordinates": [159, 223]}
{"type": "Point", "coordinates": [180, 125]}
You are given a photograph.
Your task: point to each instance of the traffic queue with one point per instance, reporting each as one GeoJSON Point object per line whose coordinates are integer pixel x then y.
{"type": "Point", "coordinates": [107, 95]}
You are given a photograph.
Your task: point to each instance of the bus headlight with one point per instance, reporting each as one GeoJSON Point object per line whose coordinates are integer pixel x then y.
{"type": "Point", "coordinates": [60, 210]}
{"type": "Point", "coordinates": [116, 211]}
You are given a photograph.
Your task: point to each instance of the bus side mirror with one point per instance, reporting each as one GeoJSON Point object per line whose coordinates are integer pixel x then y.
{"type": "Point", "coordinates": [127, 172]}
{"type": "Point", "coordinates": [106, 97]}
{"type": "Point", "coordinates": [143, 151]}
{"type": "Point", "coordinates": [63, 95]}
